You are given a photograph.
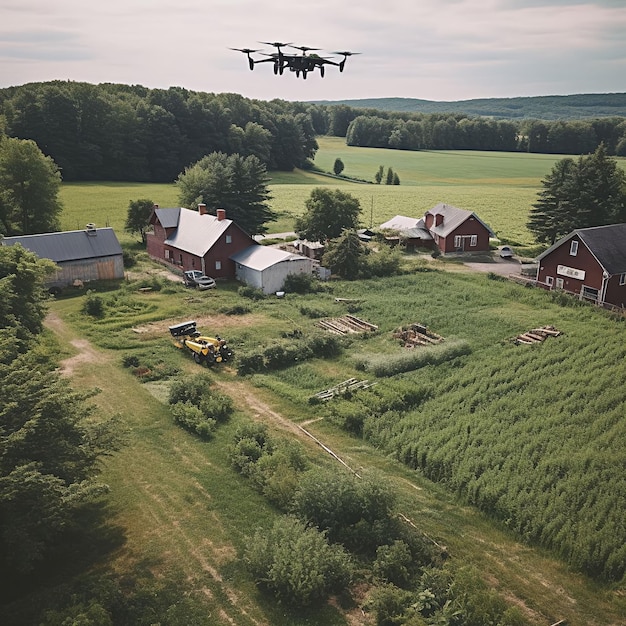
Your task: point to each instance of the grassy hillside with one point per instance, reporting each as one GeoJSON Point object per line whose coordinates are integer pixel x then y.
{"type": "Point", "coordinates": [572, 107]}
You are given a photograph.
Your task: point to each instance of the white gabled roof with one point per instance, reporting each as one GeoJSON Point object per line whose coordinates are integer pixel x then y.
{"type": "Point", "coordinates": [261, 257]}
{"type": "Point", "coordinates": [401, 222]}
{"type": "Point", "coordinates": [197, 233]}
{"type": "Point", "coordinates": [453, 217]}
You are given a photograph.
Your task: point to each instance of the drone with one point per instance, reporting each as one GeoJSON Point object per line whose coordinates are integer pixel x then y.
{"type": "Point", "coordinates": [301, 64]}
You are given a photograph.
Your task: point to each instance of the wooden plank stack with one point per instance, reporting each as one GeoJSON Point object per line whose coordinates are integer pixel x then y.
{"type": "Point", "coordinates": [346, 324]}
{"type": "Point", "coordinates": [352, 384]}
{"type": "Point", "coordinates": [537, 335]}
{"type": "Point", "coordinates": [416, 335]}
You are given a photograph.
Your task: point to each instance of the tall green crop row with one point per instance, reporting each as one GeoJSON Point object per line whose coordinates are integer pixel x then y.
{"type": "Point", "coordinates": [532, 435]}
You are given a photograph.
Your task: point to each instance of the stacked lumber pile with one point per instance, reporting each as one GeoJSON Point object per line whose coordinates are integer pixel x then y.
{"type": "Point", "coordinates": [536, 335]}
{"type": "Point", "coordinates": [346, 324]}
{"type": "Point", "coordinates": [347, 386]}
{"type": "Point", "coordinates": [416, 335]}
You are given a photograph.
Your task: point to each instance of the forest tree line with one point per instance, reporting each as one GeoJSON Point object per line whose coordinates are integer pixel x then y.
{"type": "Point", "coordinates": [133, 133]}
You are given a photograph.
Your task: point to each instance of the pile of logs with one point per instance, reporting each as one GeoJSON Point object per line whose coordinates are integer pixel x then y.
{"type": "Point", "coordinates": [346, 324]}
{"type": "Point", "coordinates": [536, 335]}
{"type": "Point", "coordinates": [347, 386]}
{"type": "Point", "coordinates": [416, 335]}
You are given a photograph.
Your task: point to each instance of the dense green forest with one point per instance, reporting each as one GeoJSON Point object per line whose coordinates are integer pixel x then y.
{"type": "Point", "coordinates": [572, 107]}
{"type": "Point", "coordinates": [132, 133]}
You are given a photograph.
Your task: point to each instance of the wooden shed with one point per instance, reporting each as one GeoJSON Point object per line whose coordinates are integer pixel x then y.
{"type": "Point", "coordinates": [80, 255]}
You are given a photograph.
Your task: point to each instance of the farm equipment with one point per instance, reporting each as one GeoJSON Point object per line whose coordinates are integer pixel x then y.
{"type": "Point", "coordinates": [208, 350]}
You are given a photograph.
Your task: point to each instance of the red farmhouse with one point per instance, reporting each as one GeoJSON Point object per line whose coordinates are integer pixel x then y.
{"type": "Point", "coordinates": [196, 240]}
{"type": "Point", "coordinates": [590, 263]}
{"type": "Point", "coordinates": [457, 230]}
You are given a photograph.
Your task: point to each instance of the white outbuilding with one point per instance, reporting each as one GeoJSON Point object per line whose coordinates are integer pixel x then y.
{"type": "Point", "coordinates": [266, 268]}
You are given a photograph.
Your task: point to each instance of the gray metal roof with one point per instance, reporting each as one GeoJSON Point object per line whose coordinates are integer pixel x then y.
{"type": "Point", "coordinates": [261, 257]}
{"type": "Point", "coordinates": [168, 217]}
{"type": "Point", "coordinates": [73, 245]}
{"type": "Point", "coordinates": [401, 222]}
{"type": "Point", "coordinates": [606, 243]}
{"type": "Point", "coordinates": [195, 233]}
{"type": "Point", "coordinates": [453, 217]}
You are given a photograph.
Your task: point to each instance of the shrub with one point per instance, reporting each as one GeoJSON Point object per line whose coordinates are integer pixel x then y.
{"type": "Point", "coordinates": [300, 283]}
{"type": "Point", "coordinates": [252, 293]}
{"type": "Point", "coordinates": [93, 304]}
{"type": "Point", "coordinates": [393, 563]}
{"type": "Point", "coordinates": [193, 419]}
{"type": "Point", "coordinates": [130, 360]}
{"type": "Point", "coordinates": [237, 309]}
{"type": "Point", "coordinates": [297, 564]}
{"type": "Point", "coordinates": [216, 406]}
{"type": "Point", "coordinates": [129, 259]}
{"type": "Point", "coordinates": [192, 389]}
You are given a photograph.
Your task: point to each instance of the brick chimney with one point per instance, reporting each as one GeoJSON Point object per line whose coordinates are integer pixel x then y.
{"type": "Point", "coordinates": [202, 209]}
{"type": "Point", "coordinates": [221, 214]}
{"type": "Point", "coordinates": [438, 219]}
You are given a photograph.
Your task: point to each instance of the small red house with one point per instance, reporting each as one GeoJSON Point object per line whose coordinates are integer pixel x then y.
{"type": "Point", "coordinates": [590, 263]}
{"type": "Point", "coordinates": [457, 230]}
{"type": "Point", "coordinates": [196, 240]}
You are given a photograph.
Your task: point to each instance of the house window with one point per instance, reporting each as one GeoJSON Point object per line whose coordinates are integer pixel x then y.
{"type": "Point", "coordinates": [622, 279]}
{"type": "Point", "coordinates": [457, 241]}
{"type": "Point", "coordinates": [549, 281]}
{"type": "Point", "coordinates": [229, 239]}
{"type": "Point", "coordinates": [167, 254]}
{"type": "Point", "coordinates": [218, 265]}
{"type": "Point", "coordinates": [474, 240]}
{"type": "Point", "coordinates": [573, 249]}
{"type": "Point", "coordinates": [559, 283]}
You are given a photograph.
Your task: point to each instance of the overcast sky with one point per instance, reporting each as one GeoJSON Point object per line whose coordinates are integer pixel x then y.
{"type": "Point", "coordinates": [431, 49]}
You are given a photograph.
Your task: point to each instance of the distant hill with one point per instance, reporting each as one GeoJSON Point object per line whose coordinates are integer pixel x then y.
{"type": "Point", "coordinates": [572, 107]}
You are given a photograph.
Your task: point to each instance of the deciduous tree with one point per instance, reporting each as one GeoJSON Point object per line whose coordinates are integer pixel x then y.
{"type": "Point", "coordinates": [29, 187]}
{"type": "Point", "coordinates": [328, 214]}
{"type": "Point", "coordinates": [138, 216]}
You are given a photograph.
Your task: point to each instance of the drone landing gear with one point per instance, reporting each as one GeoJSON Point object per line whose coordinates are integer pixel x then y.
{"type": "Point", "coordinates": [251, 64]}
{"type": "Point", "coordinates": [322, 71]}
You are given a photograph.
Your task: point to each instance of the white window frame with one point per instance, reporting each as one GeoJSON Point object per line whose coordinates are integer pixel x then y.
{"type": "Point", "coordinates": [549, 281]}
{"type": "Point", "coordinates": [457, 241]}
{"type": "Point", "coordinates": [473, 241]}
{"type": "Point", "coordinates": [622, 279]}
{"type": "Point", "coordinates": [573, 248]}
{"type": "Point", "coordinates": [559, 283]}
{"type": "Point", "coordinates": [218, 265]}
{"type": "Point", "coordinates": [229, 239]}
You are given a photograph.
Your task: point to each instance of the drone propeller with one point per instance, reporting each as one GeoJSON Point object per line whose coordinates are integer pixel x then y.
{"type": "Point", "coordinates": [304, 49]}
{"type": "Point", "coordinates": [346, 53]}
{"type": "Point", "coordinates": [244, 50]}
{"type": "Point", "coordinates": [275, 44]}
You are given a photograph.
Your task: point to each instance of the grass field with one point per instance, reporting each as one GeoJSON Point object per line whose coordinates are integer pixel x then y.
{"type": "Point", "coordinates": [499, 187]}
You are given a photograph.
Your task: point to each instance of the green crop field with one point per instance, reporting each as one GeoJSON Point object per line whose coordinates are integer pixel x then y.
{"type": "Point", "coordinates": [499, 187]}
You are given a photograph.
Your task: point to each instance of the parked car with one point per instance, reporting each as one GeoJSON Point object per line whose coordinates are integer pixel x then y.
{"type": "Point", "coordinates": [506, 252]}
{"type": "Point", "coordinates": [195, 278]}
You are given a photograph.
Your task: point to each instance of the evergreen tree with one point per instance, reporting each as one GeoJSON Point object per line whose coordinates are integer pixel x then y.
{"type": "Point", "coordinates": [579, 194]}
{"type": "Point", "coordinates": [231, 182]}
{"type": "Point", "coordinates": [389, 180]}
{"type": "Point", "coordinates": [344, 255]}
{"type": "Point", "coordinates": [379, 175]}
{"type": "Point", "coordinates": [338, 166]}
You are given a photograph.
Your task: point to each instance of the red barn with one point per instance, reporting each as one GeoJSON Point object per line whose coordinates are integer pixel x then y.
{"type": "Point", "coordinates": [457, 230]}
{"type": "Point", "coordinates": [590, 263]}
{"type": "Point", "coordinates": [196, 240]}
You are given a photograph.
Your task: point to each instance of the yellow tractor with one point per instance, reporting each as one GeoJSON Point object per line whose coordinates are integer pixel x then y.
{"type": "Point", "coordinates": [205, 350]}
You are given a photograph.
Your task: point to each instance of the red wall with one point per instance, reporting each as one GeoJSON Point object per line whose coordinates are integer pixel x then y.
{"type": "Point", "coordinates": [583, 260]}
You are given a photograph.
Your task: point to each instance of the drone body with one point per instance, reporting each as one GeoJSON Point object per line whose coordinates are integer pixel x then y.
{"type": "Point", "coordinates": [301, 64]}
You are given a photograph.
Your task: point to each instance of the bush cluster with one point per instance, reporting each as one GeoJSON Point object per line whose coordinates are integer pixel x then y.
{"type": "Point", "coordinates": [273, 465]}
{"type": "Point", "coordinates": [252, 293]}
{"type": "Point", "coordinates": [283, 354]}
{"type": "Point", "coordinates": [196, 407]}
